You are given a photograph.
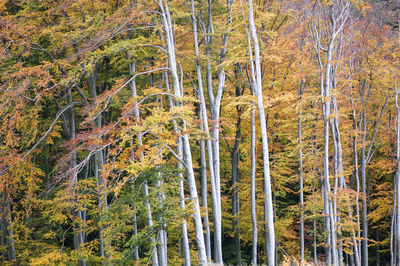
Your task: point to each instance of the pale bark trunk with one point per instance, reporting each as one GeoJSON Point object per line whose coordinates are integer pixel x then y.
{"type": "Point", "coordinates": [395, 228]}
{"type": "Point", "coordinates": [187, 154]}
{"type": "Point", "coordinates": [185, 240]}
{"type": "Point", "coordinates": [150, 224]}
{"type": "Point", "coordinates": [235, 153]}
{"type": "Point", "coordinates": [301, 186]}
{"type": "Point", "coordinates": [364, 197]}
{"type": "Point", "coordinates": [79, 232]}
{"type": "Point", "coordinates": [253, 184]}
{"type": "Point", "coordinates": [162, 234]}
{"type": "Point", "coordinates": [358, 244]}
{"type": "Point", "coordinates": [204, 126]}
{"type": "Point", "coordinates": [98, 163]}
{"type": "Point", "coordinates": [215, 109]}
{"type": "Point", "coordinates": [136, 112]}
{"type": "Point", "coordinates": [263, 127]}
{"type": "Point", "coordinates": [397, 177]}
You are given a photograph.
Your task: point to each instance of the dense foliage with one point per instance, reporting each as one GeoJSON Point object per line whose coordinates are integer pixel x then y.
{"type": "Point", "coordinates": [138, 132]}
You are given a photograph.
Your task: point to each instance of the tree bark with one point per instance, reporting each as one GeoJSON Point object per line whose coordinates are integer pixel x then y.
{"type": "Point", "coordinates": [301, 185]}
{"type": "Point", "coordinates": [187, 154]}
{"type": "Point", "coordinates": [204, 127]}
{"type": "Point", "coordinates": [263, 127]}
{"type": "Point", "coordinates": [253, 183]}
{"type": "Point", "coordinates": [98, 163]}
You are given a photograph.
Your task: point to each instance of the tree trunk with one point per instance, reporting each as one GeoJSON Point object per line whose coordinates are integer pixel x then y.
{"type": "Point", "coordinates": [301, 186]}
{"type": "Point", "coordinates": [235, 156]}
{"type": "Point", "coordinates": [185, 240]}
{"type": "Point", "coordinates": [187, 154]}
{"type": "Point", "coordinates": [204, 127]}
{"type": "Point", "coordinates": [154, 253]}
{"type": "Point", "coordinates": [253, 183]}
{"type": "Point", "coordinates": [263, 127]}
{"type": "Point", "coordinates": [98, 163]}
{"type": "Point", "coordinates": [132, 84]}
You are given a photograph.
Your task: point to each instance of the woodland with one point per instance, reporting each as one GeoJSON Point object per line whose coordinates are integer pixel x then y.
{"type": "Point", "coordinates": [199, 132]}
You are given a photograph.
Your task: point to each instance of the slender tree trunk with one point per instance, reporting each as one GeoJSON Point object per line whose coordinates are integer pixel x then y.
{"type": "Point", "coordinates": [253, 183]}
{"type": "Point", "coordinates": [395, 225]}
{"type": "Point", "coordinates": [364, 197]}
{"type": "Point", "coordinates": [187, 154]}
{"type": "Point", "coordinates": [98, 163]}
{"type": "Point", "coordinates": [204, 126]}
{"type": "Point", "coordinates": [185, 240]}
{"type": "Point", "coordinates": [150, 224]}
{"type": "Point", "coordinates": [301, 186]}
{"type": "Point", "coordinates": [263, 127]}
{"type": "Point", "coordinates": [79, 230]}
{"type": "Point", "coordinates": [162, 234]}
{"type": "Point", "coordinates": [215, 111]}
{"type": "Point", "coordinates": [395, 249]}
{"type": "Point", "coordinates": [356, 171]}
{"type": "Point", "coordinates": [132, 71]}
{"type": "Point", "coordinates": [235, 155]}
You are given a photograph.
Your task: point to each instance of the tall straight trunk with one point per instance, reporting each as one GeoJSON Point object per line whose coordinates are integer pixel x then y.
{"type": "Point", "coordinates": [315, 254]}
{"type": "Point", "coordinates": [235, 156]}
{"type": "Point", "coordinates": [392, 224]}
{"type": "Point", "coordinates": [145, 185]}
{"type": "Point", "coordinates": [204, 127]}
{"type": "Point", "coordinates": [338, 164]}
{"type": "Point", "coordinates": [395, 226]}
{"type": "Point", "coordinates": [395, 247]}
{"type": "Point", "coordinates": [135, 232]}
{"type": "Point", "coordinates": [154, 253]}
{"type": "Point", "coordinates": [326, 112]}
{"type": "Point", "coordinates": [263, 127]}
{"type": "Point", "coordinates": [187, 154]}
{"type": "Point", "coordinates": [215, 111]}
{"type": "Point", "coordinates": [79, 232]}
{"type": "Point", "coordinates": [162, 234]}
{"type": "Point", "coordinates": [366, 156]}
{"type": "Point", "coordinates": [301, 186]}
{"type": "Point", "coordinates": [356, 174]}
{"type": "Point", "coordinates": [185, 240]}
{"type": "Point", "coordinates": [364, 197]}
{"type": "Point", "coordinates": [204, 192]}
{"type": "Point", "coordinates": [132, 84]}
{"type": "Point", "coordinates": [253, 184]}
{"type": "Point", "coordinates": [98, 164]}
{"type": "Point", "coordinates": [337, 14]}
